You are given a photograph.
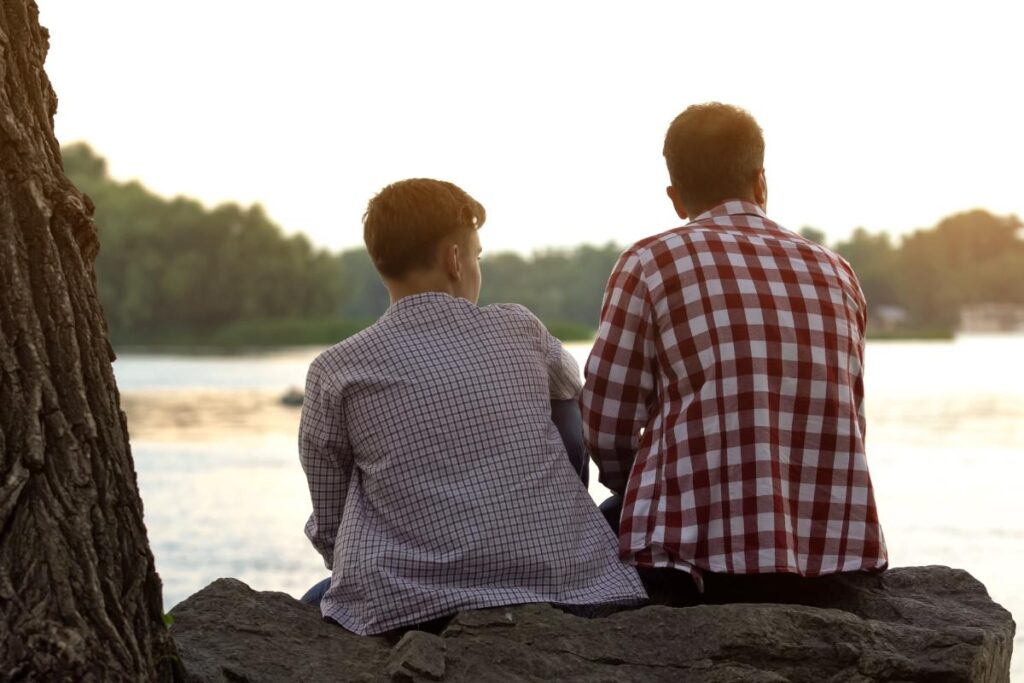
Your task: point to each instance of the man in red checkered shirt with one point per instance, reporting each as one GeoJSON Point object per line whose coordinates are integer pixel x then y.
{"type": "Point", "coordinates": [724, 397]}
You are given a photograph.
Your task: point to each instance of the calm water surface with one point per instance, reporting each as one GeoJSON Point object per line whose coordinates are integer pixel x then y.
{"type": "Point", "coordinates": [224, 494]}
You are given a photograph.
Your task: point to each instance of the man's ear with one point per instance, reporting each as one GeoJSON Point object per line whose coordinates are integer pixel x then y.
{"type": "Point", "coordinates": [676, 202]}
{"type": "Point", "coordinates": [761, 190]}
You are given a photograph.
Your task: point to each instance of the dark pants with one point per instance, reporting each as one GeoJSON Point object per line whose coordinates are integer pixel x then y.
{"type": "Point", "coordinates": [667, 586]}
{"type": "Point", "coordinates": [566, 416]}
{"type": "Point", "coordinates": [611, 508]}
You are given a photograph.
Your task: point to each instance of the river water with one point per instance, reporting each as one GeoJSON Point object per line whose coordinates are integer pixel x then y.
{"type": "Point", "coordinates": [224, 494]}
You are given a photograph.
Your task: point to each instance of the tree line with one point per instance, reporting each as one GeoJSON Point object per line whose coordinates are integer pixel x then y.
{"type": "Point", "coordinates": [969, 258]}
{"type": "Point", "coordinates": [173, 272]}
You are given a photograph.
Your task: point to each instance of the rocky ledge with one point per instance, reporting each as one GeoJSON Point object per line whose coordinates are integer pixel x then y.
{"type": "Point", "coordinates": [911, 624]}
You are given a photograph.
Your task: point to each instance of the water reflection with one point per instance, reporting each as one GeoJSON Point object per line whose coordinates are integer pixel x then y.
{"type": "Point", "coordinates": [181, 415]}
{"type": "Point", "coordinates": [224, 494]}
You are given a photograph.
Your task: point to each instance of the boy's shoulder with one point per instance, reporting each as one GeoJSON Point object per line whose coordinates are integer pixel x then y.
{"type": "Point", "coordinates": [516, 315]}
{"type": "Point", "coordinates": [367, 343]}
{"type": "Point", "coordinates": [507, 310]}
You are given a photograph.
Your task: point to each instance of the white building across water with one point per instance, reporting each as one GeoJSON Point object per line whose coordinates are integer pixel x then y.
{"type": "Point", "coordinates": [992, 318]}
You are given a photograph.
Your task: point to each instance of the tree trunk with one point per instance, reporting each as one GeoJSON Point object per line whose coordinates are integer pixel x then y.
{"type": "Point", "coordinates": [79, 596]}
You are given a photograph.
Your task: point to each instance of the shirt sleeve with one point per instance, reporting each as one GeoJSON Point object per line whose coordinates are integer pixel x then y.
{"type": "Point", "coordinates": [617, 397]}
{"type": "Point", "coordinates": [326, 459]}
{"type": "Point", "coordinates": [563, 371]}
{"type": "Point", "coordinates": [858, 384]}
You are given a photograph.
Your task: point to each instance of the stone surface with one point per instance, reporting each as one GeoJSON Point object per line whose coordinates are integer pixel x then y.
{"type": "Point", "coordinates": [229, 632]}
{"type": "Point", "coordinates": [417, 656]}
{"type": "Point", "coordinates": [911, 624]}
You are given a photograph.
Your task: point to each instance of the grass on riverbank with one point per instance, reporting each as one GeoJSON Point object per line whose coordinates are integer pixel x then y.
{"type": "Point", "coordinates": [912, 334]}
{"type": "Point", "coordinates": [269, 334]}
{"type": "Point", "coordinates": [242, 335]}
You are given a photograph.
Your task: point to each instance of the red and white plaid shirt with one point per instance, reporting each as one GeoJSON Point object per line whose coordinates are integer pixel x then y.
{"type": "Point", "coordinates": [724, 397]}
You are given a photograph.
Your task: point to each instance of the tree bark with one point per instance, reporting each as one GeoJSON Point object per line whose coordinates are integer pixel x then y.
{"type": "Point", "coordinates": [80, 598]}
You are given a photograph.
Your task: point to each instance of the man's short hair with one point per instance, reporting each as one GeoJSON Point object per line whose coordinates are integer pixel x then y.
{"type": "Point", "coordinates": [713, 152]}
{"type": "Point", "coordinates": [405, 222]}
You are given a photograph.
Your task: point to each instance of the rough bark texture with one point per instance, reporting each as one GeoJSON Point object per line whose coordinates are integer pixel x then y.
{"type": "Point", "coordinates": [79, 596]}
{"type": "Point", "coordinates": [913, 624]}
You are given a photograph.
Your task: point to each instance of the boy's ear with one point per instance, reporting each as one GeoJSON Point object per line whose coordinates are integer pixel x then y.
{"type": "Point", "coordinates": [452, 262]}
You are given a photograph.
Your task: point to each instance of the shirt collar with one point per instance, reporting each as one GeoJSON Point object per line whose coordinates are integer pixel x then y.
{"type": "Point", "coordinates": [731, 207]}
{"type": "Point", "coordinates": [423, 299]}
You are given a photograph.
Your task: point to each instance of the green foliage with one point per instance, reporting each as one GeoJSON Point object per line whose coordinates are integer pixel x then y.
{"type": "Point", "coordinates": [363, 294]}
{"type": "Point", "coordinates": [172, 269]}
{"type": "Point", "coordinates": [813, 234]}
{"type": "Point", "coordinates": [874, 259]}
{"type": "Point", "coordinates": [172, 272]}
{"type": "Point", "coordinates": [911, 333]}
{"type": "Point", "coordinates": [286, 331]}
{"type": "Point", "coordinates": [968, 258]}
{"type": "Point", "coordinates": [569, 331]}
{"type": "Point", "coordinates": [246, 334]}
{"type": "Point", "coordinates": [557, 285]}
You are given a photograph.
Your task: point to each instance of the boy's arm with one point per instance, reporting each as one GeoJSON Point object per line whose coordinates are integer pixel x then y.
{"type": "Point", "coordinates": [565, 413]}
{"type": "Point", "coordinates": [564, 386]}
{"type": "Point", "coordinates": [326, 459]}
{"type": "Point", "coordinates": [563, 371]}
{"type": "Point", "coordinates": [616, 398]}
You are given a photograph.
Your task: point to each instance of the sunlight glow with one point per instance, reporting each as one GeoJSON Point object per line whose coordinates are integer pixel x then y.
{"type": "Point", "coordinates": [885, 115]}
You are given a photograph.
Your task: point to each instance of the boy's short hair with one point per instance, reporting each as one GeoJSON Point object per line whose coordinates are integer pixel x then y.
{"type": "Point", "coordinates": [405, 222]}
{"type": "Point", "coordinates": [713, 152]}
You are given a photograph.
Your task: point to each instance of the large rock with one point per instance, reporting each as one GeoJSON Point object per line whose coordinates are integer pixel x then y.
{"type": "Point", "coordinates": [912, 624]}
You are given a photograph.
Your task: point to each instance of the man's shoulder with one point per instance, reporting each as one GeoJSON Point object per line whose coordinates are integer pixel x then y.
{"type": "Point", "coordinates": [672, 238]}
{"type": "Point", "coordinates": [717, 233]}
{"type": "Point", "coordinates": [633, 257]}
{"type": "Point", "coordinates": [662, 249]}
{"type": "Point", "coordinates": [642, 247]}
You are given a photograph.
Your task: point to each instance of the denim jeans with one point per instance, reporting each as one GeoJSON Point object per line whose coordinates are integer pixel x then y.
{"type": "Point", "coordinates": [315, 594]}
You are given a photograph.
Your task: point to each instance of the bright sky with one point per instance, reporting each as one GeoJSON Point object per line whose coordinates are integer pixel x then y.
{"type": "Point", "coordinates": [889, 115]}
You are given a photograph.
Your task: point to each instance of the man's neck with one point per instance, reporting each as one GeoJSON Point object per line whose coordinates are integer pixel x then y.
{"type": "Point", "coordinates": [694, 212]}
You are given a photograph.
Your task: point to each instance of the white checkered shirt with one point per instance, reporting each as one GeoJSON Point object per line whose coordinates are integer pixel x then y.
{"type": "Point", "coordinates": [724, 396]}
{"type": "Point", "coordinates": [438, 480]}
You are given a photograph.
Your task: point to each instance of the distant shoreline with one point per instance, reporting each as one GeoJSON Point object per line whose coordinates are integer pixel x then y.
{"type": "Point", "coordinates": [912, 334]}
{"type": "Point", "coordinates": [259, 336]}
{"type": "Point", "coordinates": [204, 345]}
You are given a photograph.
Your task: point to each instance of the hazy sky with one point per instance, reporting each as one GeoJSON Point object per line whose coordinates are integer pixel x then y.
{"type": "Point", "coordinates": [889, 115]}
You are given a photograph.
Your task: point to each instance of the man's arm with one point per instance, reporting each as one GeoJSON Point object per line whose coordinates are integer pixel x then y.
{"type": "Point", "coordinates": [862, 326]}
{"type": "Point", "coordinates": [326, 459]}
{"type": "Point", "coordinates": [619, 381]}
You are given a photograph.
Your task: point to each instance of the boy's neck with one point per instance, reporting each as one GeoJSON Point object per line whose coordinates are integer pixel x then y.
{"type": "Point", "coordinates": [419, 282]}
